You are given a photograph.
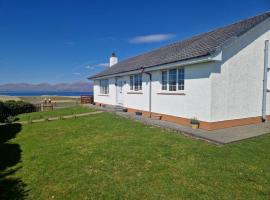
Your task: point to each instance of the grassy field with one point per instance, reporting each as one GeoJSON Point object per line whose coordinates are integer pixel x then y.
{"type": "Point", "coordinates": [8, 98]}
{"type": "Point", "coordinates": [58, 101]}
{"type": "Point", "coordinates": [54, 113]}
{"type": "Point", "coordinates": [37, 99]}
{"type": "Point", "coordinates": [104, 156]}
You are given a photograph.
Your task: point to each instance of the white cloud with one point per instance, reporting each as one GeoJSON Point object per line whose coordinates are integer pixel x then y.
{"type": "Point", "coordinates": [91, 67]}
{"type": "Point", "coordinates": [151, 38]}
{"type": "Point", "coordinates": [76, 73]}
{"type": "Point", "coordinates": [103, 65]}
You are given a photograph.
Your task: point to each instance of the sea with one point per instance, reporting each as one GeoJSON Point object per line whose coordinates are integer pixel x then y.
{"type": "Point", "coordinates": [37, 93]}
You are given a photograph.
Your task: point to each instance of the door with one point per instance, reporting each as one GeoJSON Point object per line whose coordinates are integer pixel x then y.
{"type": "Point", "coordinates": [119, 91]}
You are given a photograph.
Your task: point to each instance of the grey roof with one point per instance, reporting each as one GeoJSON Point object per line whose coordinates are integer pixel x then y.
{"type": "Point", "coordinates": [198, 46]}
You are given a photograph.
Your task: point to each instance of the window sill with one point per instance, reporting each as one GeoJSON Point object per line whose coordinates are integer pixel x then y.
{"type": "Point", "coordinates": [135, 92]}
{"type": "Point", "coordinates": [106, 95]}
{"type": "Point", "coordinates": [171, 93]}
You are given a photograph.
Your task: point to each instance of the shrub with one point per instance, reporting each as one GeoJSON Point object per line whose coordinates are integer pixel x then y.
{"type": "Point", "coordinates": [2, 112]}
{"type": "Point", "coordinates": [13, 108]}
{"type": "Point", "coordinates": [10, 119]}
{"type": "Point", "coordinates": [18, 107]}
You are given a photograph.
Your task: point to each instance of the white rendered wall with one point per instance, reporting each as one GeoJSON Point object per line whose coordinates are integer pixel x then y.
{"type": "Point", "coordinates": [195, 102]}
{"type": "Point", "coordinates": [237, 89]}
{"type": "Point", "coordinates": [106, 99]}
{"type": "Point", "coordinates": [136, 101]}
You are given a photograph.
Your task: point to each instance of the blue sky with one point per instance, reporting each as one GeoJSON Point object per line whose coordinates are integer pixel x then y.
{"type": "Point", "coordinates": [59, 41]}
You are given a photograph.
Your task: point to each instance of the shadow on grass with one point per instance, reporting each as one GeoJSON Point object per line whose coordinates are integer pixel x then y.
{"type": "Point", "coordinates": [10, 155]}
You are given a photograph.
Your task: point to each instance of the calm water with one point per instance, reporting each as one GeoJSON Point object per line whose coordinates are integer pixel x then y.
{"type": "Point", "coordinates": [45, 93]}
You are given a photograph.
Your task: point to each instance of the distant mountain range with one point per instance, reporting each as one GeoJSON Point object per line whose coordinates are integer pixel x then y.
{"type": "Point", "coordinates": [45, 87]}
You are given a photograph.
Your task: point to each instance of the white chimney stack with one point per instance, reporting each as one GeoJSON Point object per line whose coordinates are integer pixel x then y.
{"type": "Point", "coordinates": [113, 60]}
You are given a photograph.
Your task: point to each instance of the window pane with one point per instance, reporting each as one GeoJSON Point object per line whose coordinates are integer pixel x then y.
{"type": "Point", "coordinates": [164, 80]}
{"type": "Point", "coordinates": [140, 81]}
{"type": "Point", "coordinates": [136, 82]}
{"type": "Point", "coordinates": [172, 80]}
{"type": "Point", "coordinates": [104, 86]}
{"type": "Point", "coordinates": [131, 82]}
{"type": "Point", "coordinates": [100, 87]}
{"type": "Point", "coordinates": [181, 79]}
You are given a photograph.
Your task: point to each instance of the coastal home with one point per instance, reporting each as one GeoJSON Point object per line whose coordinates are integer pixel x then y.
{"type": "Point", "coordinates": [218, 77]}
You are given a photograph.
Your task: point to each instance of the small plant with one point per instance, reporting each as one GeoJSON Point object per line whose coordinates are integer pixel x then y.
{"type": "Point", "coordinates": [194, 121]}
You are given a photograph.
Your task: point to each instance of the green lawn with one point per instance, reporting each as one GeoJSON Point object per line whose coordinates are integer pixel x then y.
{"type": "Point", "coordinates": [54, 113]}
{"type": "Point", "coordinates": [104, 156]}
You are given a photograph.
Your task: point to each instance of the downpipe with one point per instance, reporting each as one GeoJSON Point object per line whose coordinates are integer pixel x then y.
{"type": "Point", "coordinates": [265, 90]}
{"type": "Point", "coordinates": [150, 93]}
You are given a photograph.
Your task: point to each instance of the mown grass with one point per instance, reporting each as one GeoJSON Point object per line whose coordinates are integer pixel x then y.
{"type": "Point", "coordinates": [104, 156]}
{"type": "Point", "coordinates": [55, 113]}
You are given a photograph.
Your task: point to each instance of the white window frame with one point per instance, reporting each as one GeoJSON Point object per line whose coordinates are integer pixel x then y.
{"type": "Point", "coordinates": [137, 82]}
{"type": "Point", "coordinates": [180, 83]}
{"type": "Point", "coordinates": [104, 86]}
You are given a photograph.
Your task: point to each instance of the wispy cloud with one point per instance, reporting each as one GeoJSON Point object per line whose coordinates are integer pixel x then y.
{"type": "Point", "coordinates": [76, 73]}
{"type": "Point", "coordinates": [91, 67]}
{"type": "Point", "coordinates": [151, 38]}
{"type": "Point", "coordinates": [70, 43]}
{"type": "Point", "coordinates": [103, 65]}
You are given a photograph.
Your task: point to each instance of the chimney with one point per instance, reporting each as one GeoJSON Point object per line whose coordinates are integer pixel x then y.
{"type": "Point", "coordinates": [113, 59]}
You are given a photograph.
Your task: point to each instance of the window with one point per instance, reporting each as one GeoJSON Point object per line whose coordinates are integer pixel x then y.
{"type": "Point", "coordinates": [131, 82]}
{"type": "Point", "coordinates": [181, 79]}
{"type": "Point", "coordinates": [164, 80]}
{"type": "Point", "coordinates": [173, 79]}
{"type": "Point", "coordinates": [136, 82]}
{"type": "Point", "coordinates": [104, 86]}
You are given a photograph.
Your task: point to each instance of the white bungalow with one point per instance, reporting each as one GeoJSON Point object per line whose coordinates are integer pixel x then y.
{"type": "Point", "coordinates": [218, 77]}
